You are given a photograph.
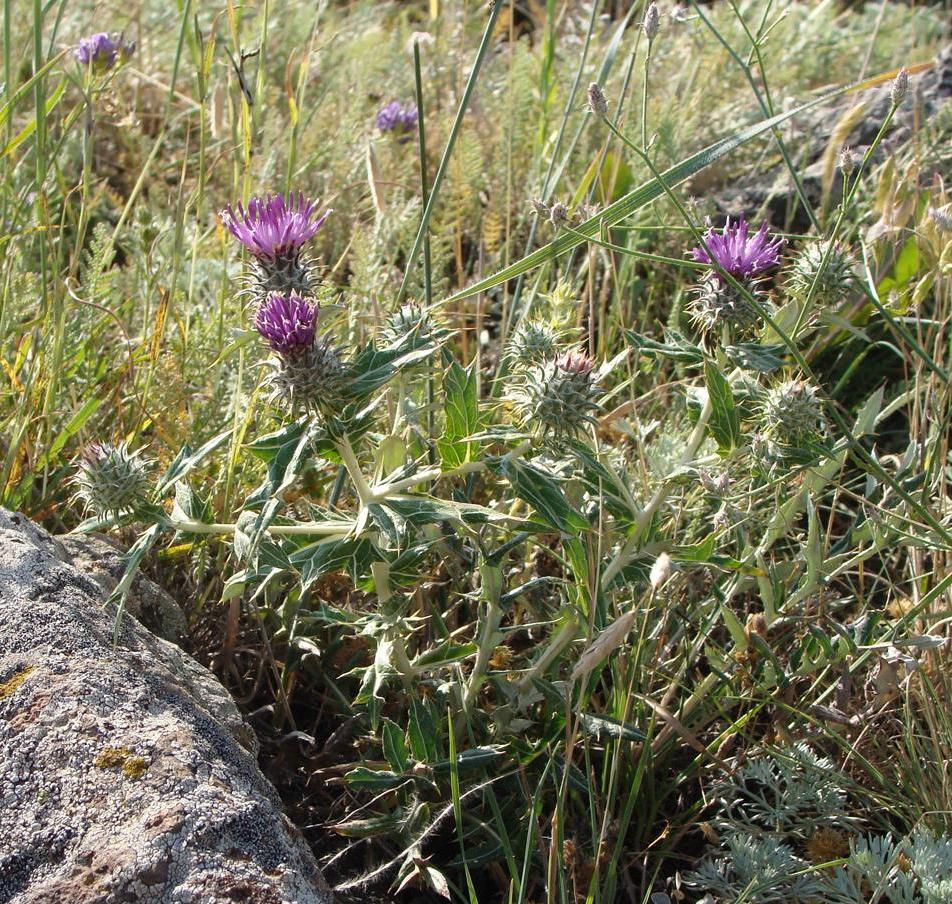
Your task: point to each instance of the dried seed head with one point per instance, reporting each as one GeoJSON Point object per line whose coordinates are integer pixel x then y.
{"type": "Point", "coordinates": [610, 639]}
{"type": "Point", "coordinates": [113, 481]}
{"type": "Point", "coordinates": [717, 484]}
{"type": "Point", "coordinates": [941, 218]}
{"type": "Point", "coordinates": [540, 207]}
{"type": "Point", "coordinates": [652, 21]}
{"type": "Point", "coordinates": [900, 87]}
{"type": "Point", "coordinates": [847, 160]}
{"type": "Point", "coordinates": [660, 571]}
{"type": "Point", "coordinates": [558, 214]}
{"type": "Point", "coordinates": [597, 102]}
{"type": "Point", "coordinates": [823, 272]}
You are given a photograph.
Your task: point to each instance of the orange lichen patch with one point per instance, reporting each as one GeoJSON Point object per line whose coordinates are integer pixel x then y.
{"type": "Point", "coordinates": [112, 757]}
{"type": "Point", "coordinates": [135, 767]}
{"type": "Point", "coordinates": [9, 687]}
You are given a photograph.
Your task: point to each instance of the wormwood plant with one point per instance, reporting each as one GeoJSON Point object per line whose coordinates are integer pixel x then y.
{"type": "Point", "coordinates": [786, 835]}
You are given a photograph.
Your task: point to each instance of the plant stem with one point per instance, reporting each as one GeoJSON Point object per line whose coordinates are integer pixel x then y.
{"type": "Point", "coordinates": [631, 545]}
{"type": "Point", "coordinates": [317, 529]}
{"type": "Point", "coordinates": [346, 451]}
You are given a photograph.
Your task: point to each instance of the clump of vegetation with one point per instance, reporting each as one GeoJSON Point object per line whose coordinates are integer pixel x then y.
{"type": "Point", "coordinates": [565, 495]}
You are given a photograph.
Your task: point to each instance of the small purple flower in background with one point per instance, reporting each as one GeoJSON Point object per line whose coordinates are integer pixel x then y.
{"type": "Point", "coordinates": [274, 227]}
{"type": "Point", "coordinates": [102, 51]}
{"type": "Point", "coordinates": [739, 253]}
{"type": "Point", "coordinates": [287, 322]}
{"type": "Point", "coordinates": [395, 117]}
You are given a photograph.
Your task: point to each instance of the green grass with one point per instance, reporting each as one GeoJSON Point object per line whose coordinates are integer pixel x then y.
{"type": "Point", "coordinates": [452, 748]}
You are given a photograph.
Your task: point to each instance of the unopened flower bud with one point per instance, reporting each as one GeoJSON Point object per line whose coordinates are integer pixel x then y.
{"type": "Point", "coordinates": [660, 571]}
{"type": "Point", "coordinates": [900, 87]}
{"type": "Point", "coordinates": [558, 396]}
{"type": "Point", "coordinates": [111, 480]}
{"type": "Point", "coordinates": [652, 21]}
{"type": "Point", "coordinates": [597, 102]}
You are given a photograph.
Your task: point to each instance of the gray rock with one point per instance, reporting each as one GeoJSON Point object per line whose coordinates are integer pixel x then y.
{"type": "Point", "coordinates": [126, 771]}
{"type": "Point", "coordinates": [100, 558]}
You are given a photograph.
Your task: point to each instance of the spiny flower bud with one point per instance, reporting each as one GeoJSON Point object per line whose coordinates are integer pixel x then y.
{"type": "Point", "coordinates": [597, 102]}
{"type": "Point", "coordinates": [652, 21]}
{"type": "Point", "coordinates": [531, 343]}
{"type": "Point", "coordinates": [558, 396]}
{"type": "Point", "coordinates": [900, 87]}
{"type": "Point", "coordinates": [715, 305]}
{"type": "Point", "coordinates": [111, 480]}
{"type": "Point", "coordinates": [312, 380]}
{"type": "Point", "coordinates": [792, 417]}
{"type": "Point", "coordinates": [822, 271]}
{"type": "Point", "coordinates": [409, 318]}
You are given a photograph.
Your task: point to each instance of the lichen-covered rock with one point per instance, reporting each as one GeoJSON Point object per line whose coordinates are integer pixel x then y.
{"type": "Point", "coordinates": [126, 772]}
{"type": "Point", "coordinates": [100, 558]}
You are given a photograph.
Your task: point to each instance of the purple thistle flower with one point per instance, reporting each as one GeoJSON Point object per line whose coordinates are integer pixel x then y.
{"type": "Point", "coordinates": [574, 362]}
{"type": "Point", "coordinates": [274, 227]}
{"type": "Point", "coordinates": [102, 50]}
{"type": "Point", "coordinates": [287, 322]}
{"type": "Point", "coordinates": [740, 254]}
{"type": "Point", "coordinates": [395, 117]}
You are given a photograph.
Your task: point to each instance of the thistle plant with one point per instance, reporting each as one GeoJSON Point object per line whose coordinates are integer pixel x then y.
{"type": "Point", "coordinates": [792, 418]}
{"type": "Point", "coordinates": [308, 371]}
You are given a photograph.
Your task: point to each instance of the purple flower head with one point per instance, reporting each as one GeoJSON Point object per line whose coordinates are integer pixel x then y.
{"type": "Point", "coordinates": [573, 362]}
{"type": "Point", "coordinates": [101, 51]}
{"type": "Point", "coordinates": [739, 253]}
{"type": "Point", "coordinates": [395, 117]}
{"type": "Point", "coordinates": [274, 227]}
{"type": "Point", "coordinates": [287, 322]}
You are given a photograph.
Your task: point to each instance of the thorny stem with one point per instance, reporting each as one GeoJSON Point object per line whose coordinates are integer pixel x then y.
{"type": "Point", "coordinates": [317, 529]}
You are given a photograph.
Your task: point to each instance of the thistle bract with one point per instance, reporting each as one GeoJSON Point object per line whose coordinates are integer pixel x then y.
{"type": "Point", "coordinates": [102, 51]}
{"type": "Point", "coordinates": [408, 318]}
{"type": "Point", "coordinates": [531, 343]}
{"type": "Point", "coordinates": [287, 322]}
{"type": "Point", "coordinates": [792, 417]}
{"type": "Point", "coordinates": [558, 396]}
{"type": "Point", "coordinates": [737, 252]}
{"type": "Point", "coordinates": [715, 306]}
{"type": "Point", "coordinates": [823, 272]}
{"type": "Point", "coordinates": [274, 229]}
{"type": "Point", "coordinates": [111, 480]}
{"type": "Point", "coordinates": [311, 378]}
{"type": "Point", "coordinates": [396, 117]}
